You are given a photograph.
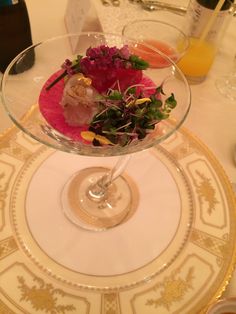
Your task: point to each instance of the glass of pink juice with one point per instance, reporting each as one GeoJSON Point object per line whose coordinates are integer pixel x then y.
{"type": "Point", "coordinates": [160, 35]}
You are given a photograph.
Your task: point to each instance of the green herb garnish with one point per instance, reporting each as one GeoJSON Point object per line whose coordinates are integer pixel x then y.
{"type": "Point", "coordinates": [121, 123]}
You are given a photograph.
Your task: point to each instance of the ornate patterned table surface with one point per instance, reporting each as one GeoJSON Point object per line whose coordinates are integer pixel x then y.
{"type": "Point", "coordinates": [189, 273]}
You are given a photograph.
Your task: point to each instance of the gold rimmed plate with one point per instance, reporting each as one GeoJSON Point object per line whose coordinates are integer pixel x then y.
{"type": "Point", "coordinates": [174, 253]}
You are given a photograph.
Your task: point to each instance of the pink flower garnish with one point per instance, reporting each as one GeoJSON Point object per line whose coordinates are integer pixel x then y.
{"type": "Point", "coordinates": [67, 64]}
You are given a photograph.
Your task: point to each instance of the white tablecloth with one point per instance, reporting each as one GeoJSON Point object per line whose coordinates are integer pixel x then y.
{"type": "Point", "coordinates": [212, 117]}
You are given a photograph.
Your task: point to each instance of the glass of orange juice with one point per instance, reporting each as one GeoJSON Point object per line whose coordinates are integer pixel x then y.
{"type": "Point", "coordinates": [205, 23]}
{"type": "Point", "coordinates": [198, 60]}
{"type": "Point", "coordinates": [164, 37]}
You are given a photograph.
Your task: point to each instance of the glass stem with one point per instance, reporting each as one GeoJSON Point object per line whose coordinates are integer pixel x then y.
{"type": "Point", "coordinates": [97, 191]}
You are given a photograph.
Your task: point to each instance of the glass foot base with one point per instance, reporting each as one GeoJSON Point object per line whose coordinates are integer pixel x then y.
{"type": "Point", "coordinates": [147, 240]}
{"type": "Point", "coordinates": [227, 86]}
{"type": "Point", "coordinates": [115, 207]}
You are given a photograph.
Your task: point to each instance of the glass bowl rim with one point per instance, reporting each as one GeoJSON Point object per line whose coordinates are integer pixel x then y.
{"type": "Point", "coordinates": [95, 150]}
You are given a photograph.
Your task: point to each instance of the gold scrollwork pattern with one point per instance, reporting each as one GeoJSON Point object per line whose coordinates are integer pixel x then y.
{"type": "Point", "coordinates": [183, 150]}
{"type": "Point", "coordinates": [172, 289]}
{"type": "Point", "coordinates": [16, 150]}
{"type": "Point", "coordinates": [110, 303]}
{"type": "Point", "coordinates": [7, 247]}
{"type": "Point", "coordinates": [5, 177]}
{"type": "Point", "coordinates": [6, 173]}
{"type": "Point", "coordinates": [216, 246]}
{"type": "Point", "coordinates": [206, 192]}
{"type": "Point", "coordinates": [43, 296]}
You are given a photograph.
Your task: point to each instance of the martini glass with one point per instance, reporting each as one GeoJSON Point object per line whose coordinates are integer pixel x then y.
{"type": "Point", "coordinates": [94, 198]}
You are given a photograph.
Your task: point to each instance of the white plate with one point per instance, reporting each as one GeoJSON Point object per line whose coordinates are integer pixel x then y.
{"type": "Point", "coordinates": [175, 253]}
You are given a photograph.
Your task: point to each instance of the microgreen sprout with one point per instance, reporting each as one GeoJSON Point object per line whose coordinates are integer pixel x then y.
{"type": "Point", "coordinates": [130, 116]}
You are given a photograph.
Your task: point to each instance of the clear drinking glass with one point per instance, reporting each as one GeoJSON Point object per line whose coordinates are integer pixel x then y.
{"type": "Point", "coordinates": [163, 36]}
{"type": "Point", "coordinates": [95, 198]}
{"type": "Point", "coordinates": [227, 83]}
{"type": "Point", "coordinates": [205, 24]}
